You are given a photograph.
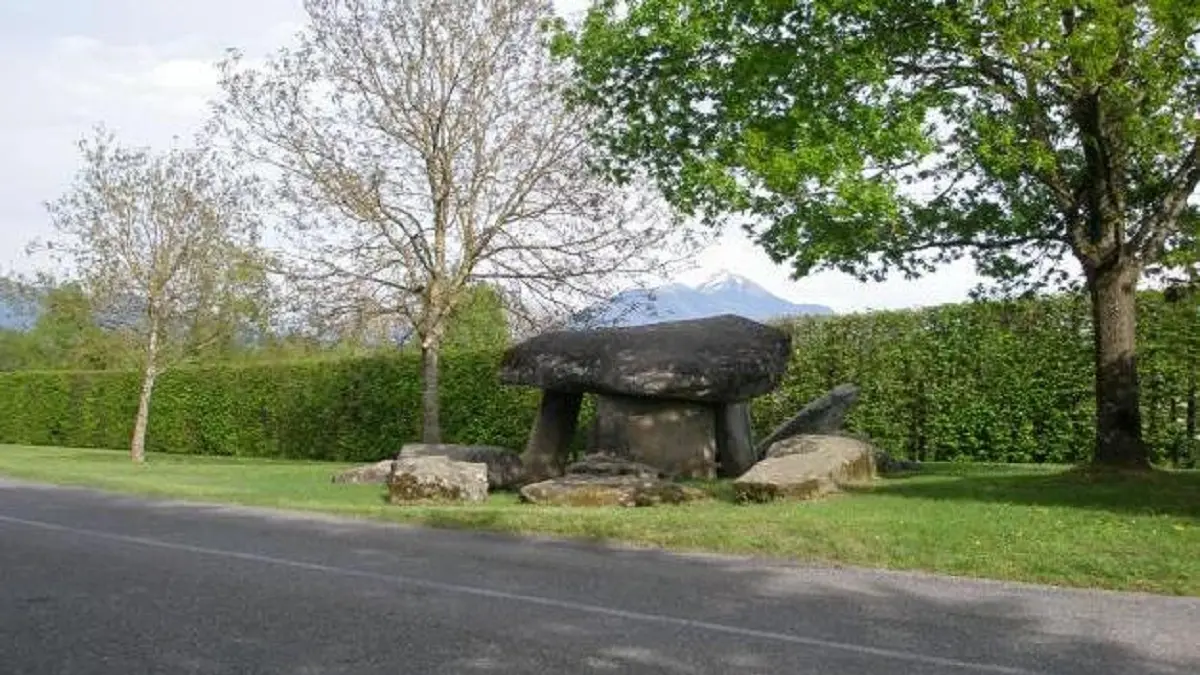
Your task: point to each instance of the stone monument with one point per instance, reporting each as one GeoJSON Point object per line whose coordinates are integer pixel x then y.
{"type": "Point", "coordinates": [672, 395]}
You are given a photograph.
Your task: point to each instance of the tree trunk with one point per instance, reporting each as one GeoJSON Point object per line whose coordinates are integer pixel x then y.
{"type": "Point", "coordinates": [431, 427]}
{"type": "Point", "coordinates": [137, 447]}
{"type": "Point", "coordinates": [1118, 415]}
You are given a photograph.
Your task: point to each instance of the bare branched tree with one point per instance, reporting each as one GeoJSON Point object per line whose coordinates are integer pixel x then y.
{"type": "Point", "coordinates": [421, 147]}
{"type": "Point", "coordinates": [170, 238]}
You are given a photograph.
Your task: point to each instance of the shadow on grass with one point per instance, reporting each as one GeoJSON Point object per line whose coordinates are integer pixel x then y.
{"type": "Point", "coordinates": [1171, 493]}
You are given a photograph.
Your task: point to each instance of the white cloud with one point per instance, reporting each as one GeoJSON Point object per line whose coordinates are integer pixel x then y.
{"type": "Point", "coordinates": [148, 85]}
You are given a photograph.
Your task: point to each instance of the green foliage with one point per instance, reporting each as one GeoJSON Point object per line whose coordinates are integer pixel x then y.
{"type": "Point", "coordinates": [989, 381]}
{"type": "Point", "coordinates": [343, 410]}
{"type": "Point", "coordinates": [889, 134]}
{"type": "Point", "coordinates": [986, 382]}
{"type": "Point", "coordinates": [478, 322]}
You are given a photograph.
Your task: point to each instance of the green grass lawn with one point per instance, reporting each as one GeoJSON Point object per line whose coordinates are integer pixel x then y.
{"type": "Point", "coordinates": [1040, 524]}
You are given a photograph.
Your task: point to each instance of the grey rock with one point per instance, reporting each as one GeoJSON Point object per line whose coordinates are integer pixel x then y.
{"type": "Point", "coordinates": [420, 479]}
{"type": "Point", "coordinates": [807, 467]}
{"type": "Point", "coordinates": [887, 464]}
{"type": "Point", "coordinates": [549, 444]}
{"type": "Point", "coordinates": [376, 473]}
{"type": "Point", "coordinates": [621, 490]}
{"type": "Point", "coordinates": [735, 440]}
{"type": "Point", "coordinates": [608, 464]}
{"type": "Point", "coordinates": [824, 415]}
{"type": "Point", "coordinates": [676, 437]}
{"type": "Point", "coordinates": [504, 467]}
{"type": "Point", "coordinates": [725, 358]}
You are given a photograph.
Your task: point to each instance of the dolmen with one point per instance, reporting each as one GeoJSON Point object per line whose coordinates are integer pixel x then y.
{"type": "Point", "coordinates": [672, 395]}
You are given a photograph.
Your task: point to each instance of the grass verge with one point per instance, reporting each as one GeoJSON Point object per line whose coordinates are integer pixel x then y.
{"type": "Point", "coordinates": [1024, 523]}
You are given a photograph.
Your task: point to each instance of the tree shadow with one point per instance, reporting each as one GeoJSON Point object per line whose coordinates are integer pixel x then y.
{"type": "Point", "coordinates": [1172, 493]}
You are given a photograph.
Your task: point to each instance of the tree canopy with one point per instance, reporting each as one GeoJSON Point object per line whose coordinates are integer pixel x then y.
{"type": "Point", "coordinates": [891, 134]}
{"type": "Point", "coordinates": [872, 136]}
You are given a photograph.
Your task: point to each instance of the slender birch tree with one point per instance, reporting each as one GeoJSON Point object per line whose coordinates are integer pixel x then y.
{"type": "Point", "coordinates": [170, 237]}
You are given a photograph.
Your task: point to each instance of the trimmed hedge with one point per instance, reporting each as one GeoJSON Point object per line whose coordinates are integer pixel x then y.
{"type": "Point", "coordinates": [996, 382]}
{"type": "Point", "coordinates": [337, 410]}
{"type": "Point", "coordinates": [990, 381]}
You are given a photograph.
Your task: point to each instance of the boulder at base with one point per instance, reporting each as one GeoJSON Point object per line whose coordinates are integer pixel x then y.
{"type": "Point", "coordinates": [718, 359]}
{"type": "Point", "coordinates": [418, 479]}
{"type": "Point", "coordinates": [613, 490]}
{"type": "Point", "coordinates": [608, 464]}
{"type": "Point", "coordinates": [807, 467]}
{"type": "Point", "coordinates": [504, 467]}
{"type": "Point", "coordinates": [376, 473]}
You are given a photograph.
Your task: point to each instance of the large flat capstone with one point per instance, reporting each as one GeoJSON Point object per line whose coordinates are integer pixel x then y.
{"type": "Point", "coordinates": [722, 359]}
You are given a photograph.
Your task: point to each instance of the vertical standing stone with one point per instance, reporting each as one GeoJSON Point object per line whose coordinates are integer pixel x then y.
{"type": "Point", "coordinates": [546, 452]}
{"type": "Point", "coordinates": [735, 441]}
{"type": "Point", "coordinates": [676, 437]}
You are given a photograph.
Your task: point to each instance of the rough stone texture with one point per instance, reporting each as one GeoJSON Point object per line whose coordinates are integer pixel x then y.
{"type": "Point", "coordinates": [417, 479]}
{"type": "Point", "coordinates": [887, 464]}
{"type": "Point", "coordinates": [735, 440]}
{"type": "Point", "coordinates": [718, 359]}
{"type": "Point", "coordinates": [546, 452]}
{"type": "Point", "coordinates": [806, 467]}
{"type": "Point", "coordinates": [504, 468]}
{"type": "Point", "coordinates": [367, 473]}
{"type": "Point", "coordinates": [585, 490]}
{"type": "Point", "coordinates": [676, 437]}
{"type": "Point", "coordinates": [824, 415]}
{"type": "Point", "coordinates": [608, 464]}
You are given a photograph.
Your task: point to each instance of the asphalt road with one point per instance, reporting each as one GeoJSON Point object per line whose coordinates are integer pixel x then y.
{"type": "Point", "coordinates": [98, 584]}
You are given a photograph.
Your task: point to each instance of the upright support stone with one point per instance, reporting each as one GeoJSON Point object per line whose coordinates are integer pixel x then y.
{"type": "Point", "coordinates": [735, 441]}
{"type": "Point", "coordinates": [676, 437]}
{"type": "Point", "coordinates": [546, 452]}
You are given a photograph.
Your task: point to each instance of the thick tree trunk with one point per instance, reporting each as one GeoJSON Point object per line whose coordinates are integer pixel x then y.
{"type": "Point", "coordinates": [137, 446]}
{"type": "Point", "coordinates": [1118, 415]}
{"type": "Point", "coordinates": [431, 426]}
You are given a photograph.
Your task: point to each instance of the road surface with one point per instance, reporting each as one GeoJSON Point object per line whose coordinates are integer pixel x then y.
{"type": "Point", "coordinates": [101, 584]}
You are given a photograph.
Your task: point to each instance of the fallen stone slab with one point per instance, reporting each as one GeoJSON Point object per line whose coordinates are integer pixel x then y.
{"type": "Point", "coordinates": [724, 358]}
{"type": "Point", "coordinates": [620, 490]}
{"type": "Point", "coordinates": [807, 467]}
{"type": "Point", "coordinates": [504, 467]}
{"type": "Point", "coordinates": [823, 415]}
{"type": "Point", "coordinates": [376, 473]}
{"type": "Point", "coordinates": [437, 478]}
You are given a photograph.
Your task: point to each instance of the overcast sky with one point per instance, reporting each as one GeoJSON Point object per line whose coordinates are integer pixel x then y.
{"type": "Point", "coordinates": [144, 68]}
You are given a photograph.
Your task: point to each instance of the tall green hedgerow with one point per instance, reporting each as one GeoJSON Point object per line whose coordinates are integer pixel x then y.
{"type": "Point", "coordinates": [995, 382]}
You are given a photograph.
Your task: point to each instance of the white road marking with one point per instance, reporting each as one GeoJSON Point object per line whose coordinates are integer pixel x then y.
{"type": "Point", "coordinates": [459, 589]}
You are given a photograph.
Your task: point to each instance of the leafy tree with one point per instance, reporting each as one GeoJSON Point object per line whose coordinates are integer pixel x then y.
{"type": "Point", "coordinates": [421, 147]}
{"type": "Point", "coordinates": [893, 135]}
{"type": "Point", "coordinates": [479, 322]}
{"type": "Point", "coordinates": [160, 242]}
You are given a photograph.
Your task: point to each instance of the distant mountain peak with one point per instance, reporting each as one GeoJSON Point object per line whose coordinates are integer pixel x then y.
{"type": "Point", "coordinates": [725, 279]}
{"type": "Point", "coordinates": [724, 292]}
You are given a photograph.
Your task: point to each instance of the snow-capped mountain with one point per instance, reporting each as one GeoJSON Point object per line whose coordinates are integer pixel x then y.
{"type": "Point", "coordinates": [724, 293]}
